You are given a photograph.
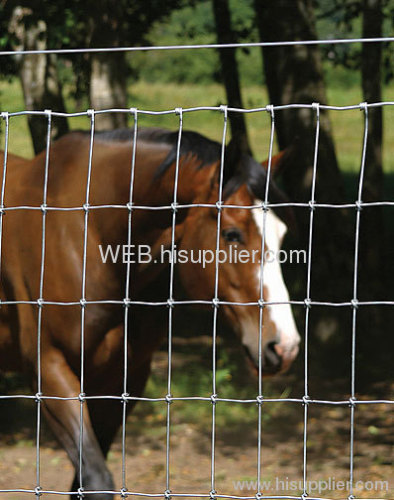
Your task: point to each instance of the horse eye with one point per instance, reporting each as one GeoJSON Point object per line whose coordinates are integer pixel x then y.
{"type": "Point", "coordinates": [232, 235]}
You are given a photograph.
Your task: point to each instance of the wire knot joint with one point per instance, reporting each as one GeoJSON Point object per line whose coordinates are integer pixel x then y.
{"type": "Point", "coordinates": [316, 107]}
{"type": "Point", "coordinates": [363, 106]}
{"type": "Point", "coordinates": [354, 303]}
{"type": "Point", "coordinates": [223, 109]}
{"type": "Point", "coordinates": [265, 207]}
{"type": "Point", "coordinates": [352, 402]}
{"type": "Point", "coordinates": [270, 110]}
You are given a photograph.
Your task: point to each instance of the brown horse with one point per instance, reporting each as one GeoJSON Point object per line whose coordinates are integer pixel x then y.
{"type": "Point", "coordinates": [75, 301]}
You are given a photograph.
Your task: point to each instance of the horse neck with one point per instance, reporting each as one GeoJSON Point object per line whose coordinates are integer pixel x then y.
{"type": "Point", "coordinates": [149, 189]}
{"type": "Point", "coordinates": [192, 184]}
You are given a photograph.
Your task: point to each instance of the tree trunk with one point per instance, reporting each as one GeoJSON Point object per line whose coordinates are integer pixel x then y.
{"type": "Point", "coordinates": [230, 74]}
{"type": "Point", "coordinates": [38, 73]}
{"type": "Point", "coordinates": [108, 72]}
{"type": "Point", "coordinates": [375, 274]}
{"type": "Point", "coordinates": [372, 221]}
{"type": "Point", "coordinates": [108, 89]}
{"type": "Point", "coordinates": [294, 75]}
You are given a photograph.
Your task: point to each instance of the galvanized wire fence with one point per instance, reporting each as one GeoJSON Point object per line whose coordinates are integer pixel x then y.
{"type": "Point", "coordinates": [260, 400]}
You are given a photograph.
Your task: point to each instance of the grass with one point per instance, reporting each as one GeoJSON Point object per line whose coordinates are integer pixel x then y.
{"type": "Point", "coordinates": [347, 126]}
{"type": "Point", "coordinates": [197, 380]}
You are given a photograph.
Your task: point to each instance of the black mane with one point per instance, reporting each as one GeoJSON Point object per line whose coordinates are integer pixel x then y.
{"type": "Point", "coordinates": [192, 143]}
{"type": "Point", "coordinates": [239, 168]}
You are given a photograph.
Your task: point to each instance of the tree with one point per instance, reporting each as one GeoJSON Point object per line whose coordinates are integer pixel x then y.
{"type": "Point", "coordinates": [371, 72]}
{"type": "Point", "coordinates": [373, 279]}
{"type": "Point", "coordinates": [108, 72]}
{"type": "Point", "coordinates": [109, 25]}
{"type": "Point", "coordinates": [230, 74]}
{"type": "Point", "coordinates": [375, 61]}
{"type": "Point", "coordinates": [42, 24]}
{"type": "Point", "coordinates": [294, 75]}
{"type": "Point", "coordinates": [38, 74]}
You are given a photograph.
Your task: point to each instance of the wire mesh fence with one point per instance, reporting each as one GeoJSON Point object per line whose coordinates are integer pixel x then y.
{"type": "Point", "coordinates": [171, 303]}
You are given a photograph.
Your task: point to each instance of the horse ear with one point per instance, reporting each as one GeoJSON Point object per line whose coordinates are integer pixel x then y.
{"type": "Point", "coordinates": [280, 161]}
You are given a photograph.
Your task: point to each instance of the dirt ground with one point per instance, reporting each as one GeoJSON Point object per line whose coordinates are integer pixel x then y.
{"type": "Point", "coordinates": [236, 451]}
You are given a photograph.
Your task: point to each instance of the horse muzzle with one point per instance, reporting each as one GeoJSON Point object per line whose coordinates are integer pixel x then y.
{"type": "Point", "coordinates": [278, 359]}
{"type": "Point", "coordinates": [275, 359]}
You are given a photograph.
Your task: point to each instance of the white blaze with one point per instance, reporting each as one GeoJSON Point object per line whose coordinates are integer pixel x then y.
{"type": "Point", "coordinates": [281, 314]}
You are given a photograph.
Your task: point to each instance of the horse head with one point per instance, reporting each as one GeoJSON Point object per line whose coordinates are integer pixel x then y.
{"type": "Point", "coordinates": [244, 275]}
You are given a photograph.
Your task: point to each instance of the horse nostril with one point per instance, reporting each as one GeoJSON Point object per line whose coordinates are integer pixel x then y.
{"type": "Point", "coordinates": [272, 359]}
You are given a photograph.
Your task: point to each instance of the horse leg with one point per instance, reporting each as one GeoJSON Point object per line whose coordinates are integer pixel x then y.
{"type": "Point", "coordinates": [64, 418]}
{"type": "Point", "coordinates": [106, 415]}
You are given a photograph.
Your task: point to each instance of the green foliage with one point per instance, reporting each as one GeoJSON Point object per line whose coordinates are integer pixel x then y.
{"type": "Point", "coordinates": [180, 22]}
{"type": "Point", "coordinates": [197, 381]}
{"type": "Point", "coordinates": [194, 24]}
{"type": "Point", "coordinates": [81, 23]}
{"type": "Point", "coordinates": [343, 19]}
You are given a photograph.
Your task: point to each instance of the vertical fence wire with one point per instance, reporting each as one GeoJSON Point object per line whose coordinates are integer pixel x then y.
{"type": "Point", "coordinates": [312, 202]}
{"type": "Point", "coordinates": [215, 301]}
{"type": "Point", "coordinates": [82, 395]}
{"type": "Point", "coordinates": [364, 108]}
{"type": "Point", "coordinates": [40, 300]}
{"type": "Point", "coordinates": [170, 301]}
{"type": "Point", "coordinates": [6, 119]}
{"type": "Point", "coordinates": [263, 228]}
{"type": "Point", "coordinates": [127, 300]}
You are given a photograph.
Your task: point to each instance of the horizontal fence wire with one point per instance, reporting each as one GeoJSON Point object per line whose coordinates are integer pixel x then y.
{"type": "Point", "coordinates": [305, 401]}
{"type": "Point", "coordinates": [286, 43]}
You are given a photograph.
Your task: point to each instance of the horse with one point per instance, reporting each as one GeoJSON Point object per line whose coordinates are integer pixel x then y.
{"type": "Point", "coordinates": [75, 299]}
